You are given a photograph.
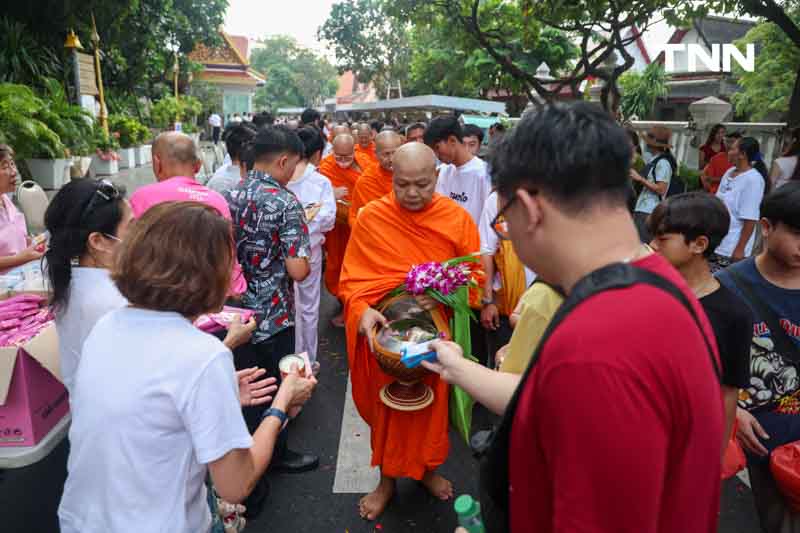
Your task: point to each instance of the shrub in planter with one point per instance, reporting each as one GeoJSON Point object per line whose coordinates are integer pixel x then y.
{"type": "Point", "coordinates": [130, 133]}
{"type": "Point", "coordinates": [21, 125]}
{"type": "Point", "coordinates": [27, 124]}
{"type": "Point", "coordinates": [105, 162]}
{"type": "Point", "coordinates": [73, 124]}
{"type": "Point", "coordinates": [166, 111]}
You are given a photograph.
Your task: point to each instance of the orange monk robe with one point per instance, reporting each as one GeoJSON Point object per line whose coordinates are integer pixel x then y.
{"type": "Point", "coordinates": [368, 154]}
{"type": "Point", "coordinates": [386, 242]}
{"type": "Point", "coordinates": [375, 182]}
{"type": "Point", "coordinates": [336, 239]}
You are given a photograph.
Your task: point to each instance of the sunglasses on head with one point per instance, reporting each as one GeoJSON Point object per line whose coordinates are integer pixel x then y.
{"type": "Point", "coordinates": [105, 192]}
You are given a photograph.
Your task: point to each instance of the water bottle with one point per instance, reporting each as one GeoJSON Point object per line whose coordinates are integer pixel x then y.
{"type": "Point", "coordinates": [469, 514]}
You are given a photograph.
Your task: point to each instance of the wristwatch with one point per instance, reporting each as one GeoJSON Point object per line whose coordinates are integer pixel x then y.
{"type": "Point", "coordinates": [488, 301]}
{"type": "Point", "coordinates": [277, 413]}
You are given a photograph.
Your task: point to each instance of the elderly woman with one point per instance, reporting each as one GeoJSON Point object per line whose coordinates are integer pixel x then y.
{"type": "Point", "coordinates": [15, 246]}
{"type": "Point", "coordinates": [170, 410]}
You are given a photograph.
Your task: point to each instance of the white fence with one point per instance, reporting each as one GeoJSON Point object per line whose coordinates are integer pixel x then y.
{"type": "Point", "coordinates": [687, 139]}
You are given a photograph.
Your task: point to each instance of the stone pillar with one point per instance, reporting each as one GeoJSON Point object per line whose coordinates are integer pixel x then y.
{"type": "Point", "coordinates": [705, 113]}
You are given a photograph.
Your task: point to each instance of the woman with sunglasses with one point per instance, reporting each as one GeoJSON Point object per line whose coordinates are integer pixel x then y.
{"type": "Point", "coordinates": [87, 220]}
{"type": "Point", "coordinates": [15, 246]}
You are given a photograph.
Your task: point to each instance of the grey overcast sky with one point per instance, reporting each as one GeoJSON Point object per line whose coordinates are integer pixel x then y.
{"type": "Point", "coordinates": [297, 18]}
{"type": "Point", "coordinates": [301, 18]}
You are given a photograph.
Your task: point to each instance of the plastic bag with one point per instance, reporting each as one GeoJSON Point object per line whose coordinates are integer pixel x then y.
{"type": "Point", "coordinates": [784, 462]}
{"type": "Point", "coordinates": [734, 458]}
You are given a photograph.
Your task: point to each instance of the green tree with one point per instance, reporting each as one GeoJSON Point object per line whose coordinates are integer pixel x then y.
{"type": "Point", "coordinates": [784, 15]}
{"type": "Point", "coordinates": [134, 35]}
{"type": "Point", "coordinates": [640, 92]}
{"type": "Point", "coordinates": [768, 88]}
{"type": "Point", "coordinates": [368, 40]}
{"type": "Point", "coordinates": [296, 76]}
{"type": "Point", "coordinates": [600, 26]}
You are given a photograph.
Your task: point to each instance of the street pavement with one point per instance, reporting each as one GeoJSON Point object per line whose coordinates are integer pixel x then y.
{"type": "Point", "coordinates": [325, 500]}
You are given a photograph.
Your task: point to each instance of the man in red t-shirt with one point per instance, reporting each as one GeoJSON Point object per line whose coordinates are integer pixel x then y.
{"type": "Point", "coordinates": [618, 425]}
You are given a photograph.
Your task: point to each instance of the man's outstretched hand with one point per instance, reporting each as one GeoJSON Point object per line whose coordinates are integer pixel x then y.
{"type": "Point", "coordinates": [253, 390]}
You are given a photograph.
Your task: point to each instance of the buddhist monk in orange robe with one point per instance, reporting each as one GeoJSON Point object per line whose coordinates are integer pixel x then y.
{"type": "Point", "coordinates": [409, 226]}
{"type": "Point", "coordinates": [342, 168]}
{"type": "Point", "coordinates": [376, 181]}
{"type": "Point", "coordinates": [365, 149]}
{"type": "Point", "coordinates": [338, 130]}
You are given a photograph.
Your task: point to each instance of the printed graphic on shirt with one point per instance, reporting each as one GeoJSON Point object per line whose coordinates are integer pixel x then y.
{"type": "Point", "coordinates": [461, 197]}
{"type": "Point", "coordinates": [774, 380]}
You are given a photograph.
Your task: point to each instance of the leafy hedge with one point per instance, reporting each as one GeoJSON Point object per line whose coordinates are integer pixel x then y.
{"type": "Point", "coordinates": [46, 127]}
{"type": "Point", "coordinates": [129, 131]}
{"type": "Point", "coordinates": [169, 109]}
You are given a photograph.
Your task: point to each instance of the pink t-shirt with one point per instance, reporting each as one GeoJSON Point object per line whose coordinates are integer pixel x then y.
{"type": "Point", "coordinates": [13, 231]}
{"type": "Point", "coordinates": [185, 189]}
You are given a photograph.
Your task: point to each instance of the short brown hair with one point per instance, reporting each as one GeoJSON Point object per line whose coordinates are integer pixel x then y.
{"type": "Point", "coordinates": [6, 151]}
{"type": "Point", "coordinates": [177, 257]}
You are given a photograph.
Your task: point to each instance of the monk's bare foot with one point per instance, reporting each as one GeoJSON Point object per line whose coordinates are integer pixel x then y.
{"type": "Point", "coordinates": [438, 486]}
{"type": "Point", "coordinates": [338, 320]}
{"type": "Point", "coordinates": [372, 505]}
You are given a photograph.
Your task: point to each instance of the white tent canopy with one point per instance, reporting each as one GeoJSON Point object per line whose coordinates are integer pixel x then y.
{"type": "Point", "coordinates": [430, 102]}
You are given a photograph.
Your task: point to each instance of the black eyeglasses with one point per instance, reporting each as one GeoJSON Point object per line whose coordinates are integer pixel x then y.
{"type": "Point", "coordinates": [106, 192]}
{"type": "Point", "coordinates": [499, 224]}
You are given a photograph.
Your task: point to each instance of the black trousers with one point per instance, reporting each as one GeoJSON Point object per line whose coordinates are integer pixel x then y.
{"type": "Point", "coordinates": [215, 131]}
{"type": "Point", "coordinates": [265, 354]}
{"type": "Point", "coordinates": [485, 343]}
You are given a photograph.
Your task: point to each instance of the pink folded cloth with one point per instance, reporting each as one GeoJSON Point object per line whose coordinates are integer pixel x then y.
{"type": "Point", "coordinates": [35, 298]}
{"type": "Point", "coordinates": [214, 322]}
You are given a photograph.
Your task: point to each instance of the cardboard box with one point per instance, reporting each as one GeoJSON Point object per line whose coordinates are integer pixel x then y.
{"type": "Point", "coordinates": [32, 398]}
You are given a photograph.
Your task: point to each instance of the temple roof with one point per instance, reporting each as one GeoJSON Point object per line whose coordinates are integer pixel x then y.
{"type": "Point", "coordinates": [228, 63]}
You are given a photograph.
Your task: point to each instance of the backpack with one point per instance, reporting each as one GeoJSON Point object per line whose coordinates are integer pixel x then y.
{"type": "Point", "coordinates": [676, 183]}
{"type": "Point", "coordinates": [494, 459]}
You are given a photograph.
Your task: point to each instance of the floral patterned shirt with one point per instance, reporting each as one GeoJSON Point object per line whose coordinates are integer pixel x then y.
{"type": "Point", "coordinates": [269, 227]}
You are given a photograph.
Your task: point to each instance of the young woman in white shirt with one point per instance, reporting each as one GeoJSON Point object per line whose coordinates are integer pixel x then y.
{"type": "Point", "coordinates": [741, 190]}
{"type": "Point", "coordinates": [785, 168]}
{"type": "Point", "coordinates": [87, 220]}
{"type": "Point", "coordinates": [152, 420]}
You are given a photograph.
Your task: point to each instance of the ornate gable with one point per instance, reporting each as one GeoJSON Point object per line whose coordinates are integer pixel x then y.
{"type": "Point", "coordinates": [226, 54]}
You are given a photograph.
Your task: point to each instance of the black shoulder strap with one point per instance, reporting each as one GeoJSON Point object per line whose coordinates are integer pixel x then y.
{"type": "Point", "coordinates": [494, 465]}
{"type": "Point", "coordinates": [783, 344]}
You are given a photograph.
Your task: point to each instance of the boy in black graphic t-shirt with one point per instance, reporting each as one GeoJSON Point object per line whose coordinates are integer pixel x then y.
{"type": "Point", "coordinates": [687, 228]}
{"type": "Point", "coordinates": [769, 407]}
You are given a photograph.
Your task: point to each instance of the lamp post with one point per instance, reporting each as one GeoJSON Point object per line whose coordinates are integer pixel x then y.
{"type": "Point", "coordinates": [175, 71]}
{"type": "Point", "coordinates": [73, 44]}
{"type": "Point", "coordinates": [103, 112]}
{"type": "Point", "coordinates": [174, 47]}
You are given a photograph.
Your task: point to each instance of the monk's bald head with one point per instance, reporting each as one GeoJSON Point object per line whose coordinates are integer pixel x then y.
{"type": "Point", "coordinates": [364, 132]}
{"type": "Point", "coordinates": [344, 150]}
{"type": "Point", "coordinates": [338, 130]}
{"type": "Point", "coordinates": [174, 154]}
{"type": "Point", "coordinates": [386, 144]}
{"type": "Point", "coordinates": [414, 179]}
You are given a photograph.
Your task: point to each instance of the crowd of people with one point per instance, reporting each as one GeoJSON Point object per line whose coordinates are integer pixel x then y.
{"type": "Point", "coordinates": [625, 334]}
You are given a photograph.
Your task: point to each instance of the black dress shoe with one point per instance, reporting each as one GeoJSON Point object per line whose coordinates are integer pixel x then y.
{"type": "Point", "coordinates": [292, 462]}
